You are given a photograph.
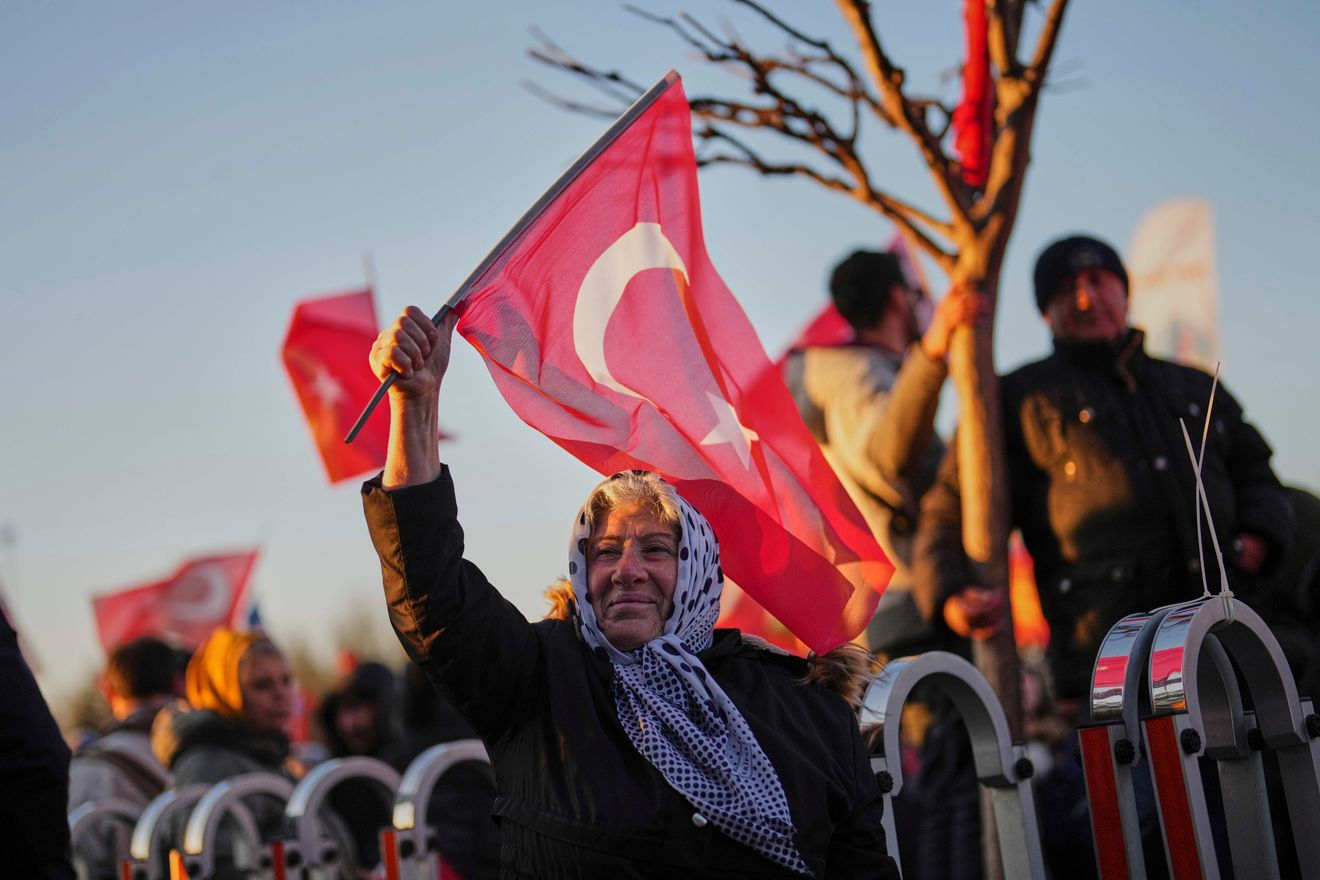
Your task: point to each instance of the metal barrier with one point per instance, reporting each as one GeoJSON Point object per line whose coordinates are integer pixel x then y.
{"type": "Point", "coordinates": [226, 799]}
{"type": "Point", "coordinates": [408, 847]}
{"type": "Point", "coordinates": [1110, 742]}
{"type": "Point", "coordinates": [1001, 767]}
{"type": "Point", "coordinates": [307, 849]}
{"type": "Point", "coordinates": [87, 818]}
{"type": "Point", "coordinates": [1193, 716]}
{"type": "Point", "coordinates": [148, 851]}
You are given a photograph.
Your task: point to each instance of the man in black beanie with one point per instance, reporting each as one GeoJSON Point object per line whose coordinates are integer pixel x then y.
{"type": "Point", "coordinates": [1101, 485]}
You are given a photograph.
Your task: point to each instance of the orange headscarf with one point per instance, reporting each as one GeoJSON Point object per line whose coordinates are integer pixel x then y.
{"type": "Point", "coordinates": [211, 681]}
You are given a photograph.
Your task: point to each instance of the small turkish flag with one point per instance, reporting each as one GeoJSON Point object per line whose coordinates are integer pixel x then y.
{"type": "Point", "coordinates": [325, 353]}
{"type": "Point", "coordinates": [605, 327]}
{"type": "Point", "coordinates": [204, 593]}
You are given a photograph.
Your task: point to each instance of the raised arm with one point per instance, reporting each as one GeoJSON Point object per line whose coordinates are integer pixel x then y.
{"type": "Point", "coordinates": [452, 622]}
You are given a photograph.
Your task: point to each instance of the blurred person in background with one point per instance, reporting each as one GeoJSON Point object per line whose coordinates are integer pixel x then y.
{"type": "Point", "coordinates": [372, 713]}
{"type": "Point", "coordinates": [871, 406]}
{"type": "Point", "coordinates": [141, 678]}
{"type": "Point", "coordinates": [34, 774]}
{"type": "Point", "coordinates": [239, 698]}
{"type": "Point", "coordinates": [359, 716]}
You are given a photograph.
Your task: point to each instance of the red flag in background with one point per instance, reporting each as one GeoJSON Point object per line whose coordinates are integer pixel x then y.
{"type": "Point", "coordinates": [325, 353]}
{"type": "Point", "coordinates": [974, 117]}
{"type": "Point", "coordinates": [606, 328]}
{"type": "Point", "coordinates": [204, 593]}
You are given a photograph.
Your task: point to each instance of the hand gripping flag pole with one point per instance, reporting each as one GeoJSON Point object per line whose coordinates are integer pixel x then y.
{"type": "Point", "coordinates": [498, 253]}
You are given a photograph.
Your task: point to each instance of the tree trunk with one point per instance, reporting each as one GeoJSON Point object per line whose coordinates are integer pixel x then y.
{"type": "Point", "coordinates": [985, 510]}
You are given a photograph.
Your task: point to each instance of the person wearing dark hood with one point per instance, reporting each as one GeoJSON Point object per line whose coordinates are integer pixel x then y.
{"type": "Point", "coordinates": [359, 715]}
{"type": "Point", "coordinates": [633, 739]}
{"type": "Point", "coordinates": [141, 678]}
{"type": "Point", "coordinates": [358, 718]}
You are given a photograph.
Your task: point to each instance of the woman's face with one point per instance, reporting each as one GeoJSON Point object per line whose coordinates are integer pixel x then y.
{"type": "Point", "coordinates": [632, 568]}
{"type": "Point", "coordinates": [267, 688]}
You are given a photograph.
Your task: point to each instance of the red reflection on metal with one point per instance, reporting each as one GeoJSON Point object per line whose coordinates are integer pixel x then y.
{"type": "Point", "coordinates": [1110, 672]}
{"type": "Point", "coordinates": [1166, 664]}
{"type": "Point", "coordinates": [1102, 792]}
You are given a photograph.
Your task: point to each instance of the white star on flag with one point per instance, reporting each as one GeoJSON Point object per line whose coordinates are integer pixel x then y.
{"type": "Point", "coordinates": [729, 430]}
{"type": "Point", "coordinates": [326, 387]}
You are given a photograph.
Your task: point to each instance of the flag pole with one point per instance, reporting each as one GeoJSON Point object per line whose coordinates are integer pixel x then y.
{"type": "Point", "coordinates": [369, 270]}
{"type": "Point", "coordinates": [495, 258]}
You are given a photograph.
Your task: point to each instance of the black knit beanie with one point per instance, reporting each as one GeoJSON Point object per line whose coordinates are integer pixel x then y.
{"type": "Point", "coordinates": [1068, 256]}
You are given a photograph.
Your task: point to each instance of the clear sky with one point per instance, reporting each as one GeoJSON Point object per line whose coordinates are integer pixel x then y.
{"type": "Point", "coordinates": [173, 177]}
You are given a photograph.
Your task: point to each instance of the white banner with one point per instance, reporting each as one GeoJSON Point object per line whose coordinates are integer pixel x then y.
{"type": "Point", "coordinates": [1175, 282]}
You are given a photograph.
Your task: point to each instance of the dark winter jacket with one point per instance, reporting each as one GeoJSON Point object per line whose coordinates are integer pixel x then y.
{"type": "Point", "coordinates": [1103, 490]}
{"type": "Point", "coordinates": [199, 745]}
{"type": "Point", "coordinates": [34, 774]}
{"type": "Point", "coordinates": [575, 798]}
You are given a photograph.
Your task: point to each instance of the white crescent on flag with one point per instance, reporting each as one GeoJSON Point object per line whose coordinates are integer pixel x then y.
{"type": "Point", "coordinates": [644, 246]}
{"type": "Point", "coordinates": [640, 248]}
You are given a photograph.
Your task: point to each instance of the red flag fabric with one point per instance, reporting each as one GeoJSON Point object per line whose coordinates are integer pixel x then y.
{"type": "Point", "coordinates": [204, 593]}
{"type": "Point", "coordinates": [740, 611]}
{"type": "Point", "coordinates": [606, 328]}
{"type": "Point", "coordinates": [973, 118]}
{"type": "Point", "coordinates": [325, 354]}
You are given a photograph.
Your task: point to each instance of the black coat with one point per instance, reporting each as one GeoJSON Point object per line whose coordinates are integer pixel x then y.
{"type": "Point", "coordinates": [575, 798]}
{"type": "Point", "coordinates": [1103, 490]}
{"type": "Point", "coordinates": [34, 774]}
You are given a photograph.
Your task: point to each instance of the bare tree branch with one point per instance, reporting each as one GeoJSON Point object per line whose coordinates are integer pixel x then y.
{"type": "Point", "coordinates": [1005, 30]}
{"type": "Point", "coordinates": [566, 104]}
{"type": "Point", "coordinates": [611, 82]}
{"type": "Point", "coordinates": [889, 80]}
{"type": "Point", "coordinates": [903, 214]}
{"type": "Point", "coordinates": [1049, 38]}
{"type": "Point", "coordinates": [1016, 116]}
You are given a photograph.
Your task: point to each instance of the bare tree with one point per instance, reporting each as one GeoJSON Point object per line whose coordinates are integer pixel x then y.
{"type": "Point", "coordinates": [966, 236]}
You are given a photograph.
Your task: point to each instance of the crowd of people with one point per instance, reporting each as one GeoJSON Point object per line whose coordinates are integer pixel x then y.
{"type": "Point", "coordinates": [180, 720]}
{"type": "Point", "coordinates": [632, 738]}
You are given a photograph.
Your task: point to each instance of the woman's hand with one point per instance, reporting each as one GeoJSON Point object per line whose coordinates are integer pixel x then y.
{"type": "Point", "coordinates": [417, 351]}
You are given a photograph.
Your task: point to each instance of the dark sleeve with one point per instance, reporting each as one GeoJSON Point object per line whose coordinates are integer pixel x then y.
{"type": "Point", "coordinates": [1260, 500]}
{"type": "Point", "coordinates": [858, 847]}
{"type": "Point", "coordinates": [471, 641]}
{"type": "Point", "coordinates": [939, 566]}
{"type": "Point", "coordinates": [34, 774]}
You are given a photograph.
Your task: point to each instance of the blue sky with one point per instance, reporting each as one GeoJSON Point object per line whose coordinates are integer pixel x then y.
{"type": "Point", "coordinates": [176, 176]}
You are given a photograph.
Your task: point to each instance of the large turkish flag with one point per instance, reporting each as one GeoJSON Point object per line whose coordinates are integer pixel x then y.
{"type": "Point", "coordinates": [606, 327]}
{"type": "Point", "coordinates": [325, 353]}
{"type": "Point", "coordinates": [202, 594]}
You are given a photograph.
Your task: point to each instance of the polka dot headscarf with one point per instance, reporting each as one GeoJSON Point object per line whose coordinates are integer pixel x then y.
{"type": "Point", "coordinates": [677, 716]}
